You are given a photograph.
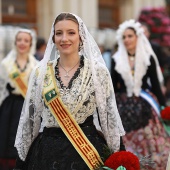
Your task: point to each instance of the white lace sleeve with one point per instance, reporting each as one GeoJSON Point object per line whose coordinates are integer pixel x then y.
{"type": "Point", "coordinates": [110, 120]}
{"type": "Point", "coordinates": [3, 83]}
{"type": "Point", "coordinates": [30, 120]}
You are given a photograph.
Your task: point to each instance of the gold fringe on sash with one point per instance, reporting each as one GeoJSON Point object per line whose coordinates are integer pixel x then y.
{"type": "Point", "coordinates": [67, 123]}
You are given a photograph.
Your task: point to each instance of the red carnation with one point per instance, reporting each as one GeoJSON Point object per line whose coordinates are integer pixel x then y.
{"type": "Point", "coordinates": [123, 158]}
{"type": "Point", "coordinates": [165, 113]}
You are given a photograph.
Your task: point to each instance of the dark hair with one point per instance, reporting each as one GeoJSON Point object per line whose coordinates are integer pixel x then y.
{"type": "Point", "coordinates": [40, 43]}
{"type": "Point", "coordinates": [64, 16]}
{"type": "Point", "coordinates": [131, 28]}
{"type": "Point", "coordinates": [146, 25]}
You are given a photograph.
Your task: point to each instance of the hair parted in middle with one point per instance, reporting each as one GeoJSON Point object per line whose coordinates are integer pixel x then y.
{"type": "Point", "coordinates": [64, 16]}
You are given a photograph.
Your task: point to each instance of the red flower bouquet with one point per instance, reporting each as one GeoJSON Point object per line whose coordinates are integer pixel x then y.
{"type": "Point", "coordinates": [165, 114]}
{"type": "Point", "coordinates": [124, 160]}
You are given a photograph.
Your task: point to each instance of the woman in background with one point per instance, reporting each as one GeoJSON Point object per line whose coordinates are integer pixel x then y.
{"type": "Point", "coordinates": [15, 70]}
{"type": "Point", "coordinates": [137, 78]}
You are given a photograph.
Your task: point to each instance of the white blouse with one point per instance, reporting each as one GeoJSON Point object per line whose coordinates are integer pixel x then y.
{"type": "Point", "coordinates": [79, 99]}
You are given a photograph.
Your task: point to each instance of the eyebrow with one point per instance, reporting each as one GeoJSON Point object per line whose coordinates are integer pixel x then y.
{"type": "Point", "coordinates": [67, 30]}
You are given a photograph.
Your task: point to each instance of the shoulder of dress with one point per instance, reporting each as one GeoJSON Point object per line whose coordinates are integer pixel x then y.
{"type": "Point", "coordinates": [6, 64]}
{"type": "Point", "coordinates": [101, 66]}
{"type": "Point", "coordinates": [51, 62]}
{"type": "Point", "coordinates": [97, 65]}
{"type": "Point", "coordinates": [5, 61]}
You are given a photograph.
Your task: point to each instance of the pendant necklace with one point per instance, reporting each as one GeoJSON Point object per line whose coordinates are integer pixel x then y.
{"type": "Point", "coordinates": [131, 56]}
{"type": "Point", "coordinates": [67, 76]}
{"type": "Point", "coordinates": [22, 70]}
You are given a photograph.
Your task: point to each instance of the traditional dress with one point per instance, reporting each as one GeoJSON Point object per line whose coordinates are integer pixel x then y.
{"type": "Point", "coordinates": [138, 93]}
{"type": "Point", "coordinates": [88, 106]}
{"type": "Point", "coordinates": [52, 148]}
{"type": "Point", "coordinates": [12, 94]}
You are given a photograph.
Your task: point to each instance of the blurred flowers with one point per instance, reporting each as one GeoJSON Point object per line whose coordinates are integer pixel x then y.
{"type": "Point", "coordinates": [159, 23]}
{"type": "Point", "coordinates": [165, 114]}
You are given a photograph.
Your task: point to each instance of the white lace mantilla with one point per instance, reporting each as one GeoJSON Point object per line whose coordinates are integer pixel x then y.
{"type": "Point", "coordinates": [92, 88]}
{"type": "Point", "coordinates": [142, 58]}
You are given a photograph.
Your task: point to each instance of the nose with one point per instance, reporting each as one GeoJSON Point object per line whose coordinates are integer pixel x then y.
{"type": "Point", "coordinates": [64, 37]}
{"type": "Point", "coordinates": [22, 41]}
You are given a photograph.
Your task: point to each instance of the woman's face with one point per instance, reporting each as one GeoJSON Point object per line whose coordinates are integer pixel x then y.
{"type": "Point", "coordinates": [67, 37]}
{"type": "Point", "coordinates": [23, 42]}
{"type": "Point", "coordinates": [130, 39]}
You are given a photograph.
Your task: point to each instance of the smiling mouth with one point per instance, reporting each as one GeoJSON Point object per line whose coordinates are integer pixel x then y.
{"type": "Point", "coordinates": [65, 45]}
{"type": "Point", "coordinates": [21, 48]}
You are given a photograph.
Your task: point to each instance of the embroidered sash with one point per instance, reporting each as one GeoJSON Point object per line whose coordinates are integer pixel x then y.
{"type": "Point", "coordinates": [67, 123]}
{"type": "Point", "coordinates": [17, 79]}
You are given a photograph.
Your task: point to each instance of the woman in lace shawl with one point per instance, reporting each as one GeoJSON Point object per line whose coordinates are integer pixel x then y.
{"type": "Point", "coordinates": [80, 84]}
{"type": "Point", "coordinates": [137, 77]}
{"type": "Point", "coordinates": [15, 70]}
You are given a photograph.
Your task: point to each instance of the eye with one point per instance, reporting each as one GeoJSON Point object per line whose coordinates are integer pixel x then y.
{"type": "Point", "coordinates": [58, 33]}
{"type": "Point", "coordinates": [130, 36]}
{"type": "Point", "coordinates": [27, 41]}
{"type": "Point", "coordinates": [18, 39]}
{"type": "Point", "coordinates": [72, 32]}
